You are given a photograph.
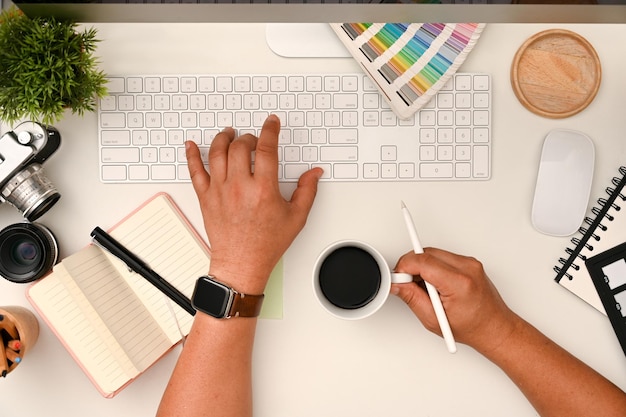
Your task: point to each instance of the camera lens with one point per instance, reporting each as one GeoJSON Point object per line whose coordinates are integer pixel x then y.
{"type": "Point", "coordinates": [31, 192]}
{"type": "Point", "coordinates": [27, 252]}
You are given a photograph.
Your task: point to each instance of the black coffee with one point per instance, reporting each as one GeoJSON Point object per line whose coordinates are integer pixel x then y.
{"type": "Point", "coordinates": [349, 277]}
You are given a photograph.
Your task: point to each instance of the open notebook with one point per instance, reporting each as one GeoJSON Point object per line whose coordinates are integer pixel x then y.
{"type": "Point", "coordinates": [113, 322]}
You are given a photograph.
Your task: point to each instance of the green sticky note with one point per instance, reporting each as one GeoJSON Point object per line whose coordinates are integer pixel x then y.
{"type": "Point", "coordinates": [273, 302]}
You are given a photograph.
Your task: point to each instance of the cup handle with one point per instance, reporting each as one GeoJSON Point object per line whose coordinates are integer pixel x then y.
{"type": "Point", "coordinates": [401, 278]}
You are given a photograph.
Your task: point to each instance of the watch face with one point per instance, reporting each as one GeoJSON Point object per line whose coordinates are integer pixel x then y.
{"type": "Point", "coordinates": [211, 297]}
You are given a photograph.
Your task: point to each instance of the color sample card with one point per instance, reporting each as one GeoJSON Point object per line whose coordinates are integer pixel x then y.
{"type": "Point", "coordinates": [409, 62]}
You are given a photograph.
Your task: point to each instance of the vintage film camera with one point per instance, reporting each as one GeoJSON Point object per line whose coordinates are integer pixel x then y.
{"type": "Point", "coordinates": [27, 250]}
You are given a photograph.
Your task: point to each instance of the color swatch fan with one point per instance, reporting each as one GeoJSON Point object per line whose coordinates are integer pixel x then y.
{"type": "Point", "coordinates": [410, 62]}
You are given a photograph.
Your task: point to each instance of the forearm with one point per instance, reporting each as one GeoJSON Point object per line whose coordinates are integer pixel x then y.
{"type": "Point", "coordinates": [556, 383]}
{"type": "Point", "coordinates": [213, 374]}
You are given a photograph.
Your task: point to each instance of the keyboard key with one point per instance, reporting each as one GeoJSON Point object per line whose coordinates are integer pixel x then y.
{"type": "Point", "coordinates": [481, 161]}
{"type": "Point", "coordinates": [388, 118]}
{"type": "Point", "coordinates": [183, 173]}
{"type": "Point", "coordinates": [114, 172]}
{"type": "Point", "coordinates": [295, 83]}
{"type": "Point", "coordinates": [463, 82]}
{"type": "Point", "coordinates": [345, 101]}
{"type": "Point", "coordinates": [112, 120]}
{"type": "Point", "coordinates": [350, 82]}
{"type": "Point", "coordinates": [462, 153]}
{"type": "Point", "coordinates": [406, 170]}
{"type": "Point", "coordinates": [427, 118]}
{"type": "Point", "coordinates": [436, 170]}
{"type": "Point", "coordinates": [167, 155]}
{"type": "Point", "coordinates": [108, 103]}
{"type": "Point", "coordinates": [149, 155]}
{"type": "Point", "coordinates": [389, 171]}
{"type": "Point", "coordinates": [140, 137]}
{"type": "Point", "coordinates": [188, 84]}
{"type": "Point", "coordinates": [314, 83]}
{"type": "Point", "coordinates": [327, 170]}
{"type": "Point", "coordinates": [126, 103]}
{"type": "Point", "coordinates": [115, 137]}
{"type": "Point", "coordinates": [224, 84]}
{"type": "Point", "coordinates": [338, 153]}
{"type": "Point", "coordinates": [371, 118]}
{"type": "Point", "coordinates": [463, 170]}
{"type": "Point", "coordinates": [260, 84]}
{"type": "Point", "coordinates": [481, 100]}
{"type": "Point", "coordinates": [138, 172]}
{"type": "Point", "coordinates": [134, 85]}
{"type": "Point", "coordinates": [170, 85]}
{"type": "Point", "coordinates": [116, 85]}
{"type": "Point", "coordinates": [481, 118]}
{"type": "Point", "coordinates": [152, 85]}
{"type": "Point", "coordinates": [278, 84]}
{"type": "Point", "coordinates": [332, 83]}
{"type": "Point", "coordinates": [388, 153]}
{"type": "Point", "coordinates": [135, 120]}
{"type": "Point", "coordinates": [341, 136]}
{"type": "Point", "coordinates": [345, 171]}
{"type": "Point", "coordinates": [481, 82]}
{"type": "Point", "coordinates": [163, 172]}
{"type": "Point", "coordinates": [242, 84]}
{"type": "Point", "coordinates": [117, 155]}
{"type": "Point", "coordinates": [481, 135]}
{"type": "Point", "coordinates": [206, 84]}
{"type": "Point", "coordinates": [293, 171]}
{"type": "Point", "coordinates": [370, 171]}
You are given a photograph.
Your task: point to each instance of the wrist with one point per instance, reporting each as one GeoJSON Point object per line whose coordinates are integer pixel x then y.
{"type": "Point", "coordinates": [500, 336]}
{"type": "Point", "coordinates": [240, 280]}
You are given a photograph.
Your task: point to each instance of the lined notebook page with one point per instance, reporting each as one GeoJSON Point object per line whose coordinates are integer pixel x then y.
{"type": "Point", "coordinates": [61, 304]}
{"type": "Point", "coordinates": [167, 244]}
{"type": "Point", "coordinates": [127, 321]}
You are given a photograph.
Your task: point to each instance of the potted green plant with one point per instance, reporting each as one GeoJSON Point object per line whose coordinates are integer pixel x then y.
{"type": "Point", "coordinates": [46, 67]}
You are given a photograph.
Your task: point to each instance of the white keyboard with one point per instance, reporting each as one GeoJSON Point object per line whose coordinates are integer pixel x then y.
{"type": "Point", "coordinates": [336, 121]}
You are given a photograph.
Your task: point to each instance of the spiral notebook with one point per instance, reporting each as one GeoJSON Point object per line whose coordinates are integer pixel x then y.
{"type": "Point", "coordinates": [603, 229]}
{"type": "Point", "coordinates": [409, 62]}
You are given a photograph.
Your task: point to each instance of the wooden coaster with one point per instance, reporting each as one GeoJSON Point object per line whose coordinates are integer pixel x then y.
{"type": "Point", "coordinates": [556, 73]}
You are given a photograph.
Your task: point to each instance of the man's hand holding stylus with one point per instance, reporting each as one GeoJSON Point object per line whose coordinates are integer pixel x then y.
{"type": "Point", "coordinates": [477, 314]}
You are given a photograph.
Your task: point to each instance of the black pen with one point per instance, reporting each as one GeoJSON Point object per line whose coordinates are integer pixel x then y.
{"type": "Point", "coordinates": [131, 260]}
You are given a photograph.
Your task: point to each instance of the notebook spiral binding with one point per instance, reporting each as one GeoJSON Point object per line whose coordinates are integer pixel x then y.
{"type": "Point", "coordinates": [590, 230]}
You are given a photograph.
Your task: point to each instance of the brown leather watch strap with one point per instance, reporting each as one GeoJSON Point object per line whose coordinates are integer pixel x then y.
{"type": "Point", "coordinates": [245, 305]}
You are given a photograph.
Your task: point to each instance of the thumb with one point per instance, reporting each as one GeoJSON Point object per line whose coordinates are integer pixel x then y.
{"type": "Point", "coordinates": [304, 195]}
{"type": "Point", "coordinates": [419, 302]}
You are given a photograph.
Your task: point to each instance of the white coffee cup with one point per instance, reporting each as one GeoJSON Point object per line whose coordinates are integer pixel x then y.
{"type": "Point", "coordinates": [351, 279]}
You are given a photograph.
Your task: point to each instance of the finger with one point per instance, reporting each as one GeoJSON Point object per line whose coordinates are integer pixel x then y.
{"type": "Point", "coordinates": [200, 178]}
{"type": "Point", "coordinates": [218, 153]}
{"type": "Point", "coordinates": [266, 159]}
{"type": "Point", "coordinates": [304, 195]}
{"type": "Point", "coordinates": [433, 266]}
{"type": "Point", "coordinates": [419, 302]}
{"type": "Point", "coordinates": [240, 155]}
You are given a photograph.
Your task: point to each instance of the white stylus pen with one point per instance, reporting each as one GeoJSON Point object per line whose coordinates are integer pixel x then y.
{"type": "Point", "coordinates": [444, 325]}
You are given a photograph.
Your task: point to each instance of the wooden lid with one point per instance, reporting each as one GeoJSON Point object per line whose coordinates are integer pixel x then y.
{"type": "Point", "coordinates": [556, 73]}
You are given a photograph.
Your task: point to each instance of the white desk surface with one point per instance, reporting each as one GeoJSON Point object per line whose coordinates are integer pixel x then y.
{"type": "Point", "coordinates": [309, 363]}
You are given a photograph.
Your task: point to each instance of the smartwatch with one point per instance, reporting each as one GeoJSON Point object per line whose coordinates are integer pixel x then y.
{"type": "Point", "coordinates": [221, 301]}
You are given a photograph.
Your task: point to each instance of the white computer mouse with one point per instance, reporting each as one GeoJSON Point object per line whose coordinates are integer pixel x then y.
{"type": "Point", "coordinates": [563, 182]}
